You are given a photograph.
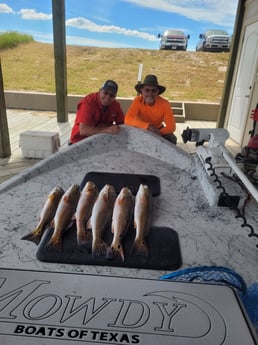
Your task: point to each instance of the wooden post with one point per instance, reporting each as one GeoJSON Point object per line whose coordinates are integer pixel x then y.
{"type": "Point", "coordinates": [5, 148]}
{"type": "Point", "coordinates": [58, 10]}
{"type": "Point", "coordinates": [139, 79]}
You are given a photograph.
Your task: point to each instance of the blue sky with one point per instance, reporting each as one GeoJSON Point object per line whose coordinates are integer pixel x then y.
{"type": "Point", "coordinates": [118, 23]}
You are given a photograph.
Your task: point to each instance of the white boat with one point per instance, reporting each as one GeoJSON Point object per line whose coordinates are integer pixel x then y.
{"type": "Point", "coordinates": [194, 201]}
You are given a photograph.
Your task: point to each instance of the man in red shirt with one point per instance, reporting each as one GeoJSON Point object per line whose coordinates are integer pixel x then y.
{"type": "Point", "coordinates": [97, 113]}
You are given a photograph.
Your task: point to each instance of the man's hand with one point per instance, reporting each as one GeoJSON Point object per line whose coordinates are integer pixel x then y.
{"type": "Point", "coordinates": [87, 131]}
{"type": "Point", "coordinates": [153, 129]}
{"type": "Point", "coordinates": [114, 129]}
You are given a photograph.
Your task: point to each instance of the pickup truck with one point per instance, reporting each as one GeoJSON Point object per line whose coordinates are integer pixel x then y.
{"type": "Point", "coordinates": [214, 41]}
{"type": "Point", "coordinates": [174, 40]}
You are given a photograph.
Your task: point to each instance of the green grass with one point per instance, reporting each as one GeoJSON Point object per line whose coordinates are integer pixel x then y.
{"type": "Point", "coordinates": [188, 76]}
{"type": "Point", "coordinates": [13, 39]}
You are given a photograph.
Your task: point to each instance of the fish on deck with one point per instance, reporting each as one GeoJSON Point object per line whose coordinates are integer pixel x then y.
{"type": "Point", "coordinates": [100, 217]}
{"type": "Point", "coordinates": [142, 220]}
{"type": "Point", "coordinates": [83, 212]}
{"type": "Point", "coordinates": [64, 213]}
{"type": "Point", "coordinates": [121, 220]}
{"type": "Point", "coordinates": [46, 215]}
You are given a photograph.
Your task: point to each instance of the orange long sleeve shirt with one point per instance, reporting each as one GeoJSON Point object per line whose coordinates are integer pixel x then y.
{"type": "Point", "coordinates": [142, 115]}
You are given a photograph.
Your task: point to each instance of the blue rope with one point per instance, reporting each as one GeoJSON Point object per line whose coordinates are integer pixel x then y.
{"type": "Point", "coordinates": [225, 276]}
{"type": "Point", "coordinates": [219, 274]}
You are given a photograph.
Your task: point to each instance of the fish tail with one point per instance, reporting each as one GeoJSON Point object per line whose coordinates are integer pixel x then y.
{"type": "Point", "coordinates": [116, 252]}
{"type": "Point", "coordinates": [140, 248]}
{"type": "Point", "coordinates": [34, 236]}
{"type": "Point", "coordinates": [99, 248]}
{"type": "Point", "coordinates": [55, 243]}
{"type": "Point", "coordinates": [83, 236]}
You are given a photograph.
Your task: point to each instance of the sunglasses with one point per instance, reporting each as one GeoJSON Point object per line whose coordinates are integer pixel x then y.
{"type": "Point", "coordinates": [148, 90]}
{"type": "Point", "coordinates": [109, 94]}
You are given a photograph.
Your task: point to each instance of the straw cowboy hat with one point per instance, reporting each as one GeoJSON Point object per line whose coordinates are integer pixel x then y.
{"type": "Point", "coordinates": [150, 80]}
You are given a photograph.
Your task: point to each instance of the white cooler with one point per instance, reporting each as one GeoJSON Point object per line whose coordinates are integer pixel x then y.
{"type": "Point", "coordinates": [39, 144]}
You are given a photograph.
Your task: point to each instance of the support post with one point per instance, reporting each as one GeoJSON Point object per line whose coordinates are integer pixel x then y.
{"type": "Point", "coordinates": [5, 148]}
{"type": "Point", "coordinates": [139, 79]}
{"type": "Point", "coordinates": [58, 10]}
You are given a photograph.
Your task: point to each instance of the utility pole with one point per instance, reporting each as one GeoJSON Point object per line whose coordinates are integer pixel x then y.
{"type": "Point", "coordinates": [5, 148]}
{"type": "Point", "coordinates": [58, 11]}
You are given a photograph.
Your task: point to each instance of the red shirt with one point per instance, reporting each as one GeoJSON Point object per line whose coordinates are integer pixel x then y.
{"type": "Point", "coordinates": [91, 112]}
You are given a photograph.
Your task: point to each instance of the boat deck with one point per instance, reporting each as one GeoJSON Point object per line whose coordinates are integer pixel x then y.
{"type": "Point", "coordinates": [207, 234]}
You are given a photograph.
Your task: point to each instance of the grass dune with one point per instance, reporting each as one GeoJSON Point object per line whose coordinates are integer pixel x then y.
{"type": "Point", "coordinates": [188, 76]}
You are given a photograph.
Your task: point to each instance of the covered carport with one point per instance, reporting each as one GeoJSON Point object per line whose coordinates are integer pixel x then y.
{"type": "Point", "coordinates": [59, 35]}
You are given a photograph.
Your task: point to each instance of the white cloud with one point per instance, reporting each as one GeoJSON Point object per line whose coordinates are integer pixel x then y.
{"type": "Point", "coordinates": [31, 14]}
{"type": "Point", "coordinates": [85, 24]}
{"type": "Point", "coordinates": [6, 9]}
{"type": "Point", "coordinates": [80, 41]}
{"type": "Point", "coordinates": [215, 11]}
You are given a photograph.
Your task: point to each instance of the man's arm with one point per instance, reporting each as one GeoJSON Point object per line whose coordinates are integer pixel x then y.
{"type": "Point", "coordinates": [87, 131]}
{"type": "Point", "coordinates": [169, 120]}
{"type": "Point", "coordinates": [132, 118]}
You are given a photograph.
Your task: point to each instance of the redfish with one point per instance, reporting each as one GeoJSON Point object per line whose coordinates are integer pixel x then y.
{"type": "Point", "coordinates": [46, 215]}
{"type": "Point", "coordinates": [83, 212]}
{"type": "Point", "coordinates": [142, 220]}
{"type": "Point", "coordinates": [64, 213]}
{"type": "Point", "coordinates": [121, 219]}
{"type": "Point", "coordinates": [100, 217]}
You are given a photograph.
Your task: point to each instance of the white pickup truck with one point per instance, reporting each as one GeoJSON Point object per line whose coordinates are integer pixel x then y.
{"type": "Point", "coordinates": [214, 40]}
{"type": "Point", "coordinates": [174, 40]}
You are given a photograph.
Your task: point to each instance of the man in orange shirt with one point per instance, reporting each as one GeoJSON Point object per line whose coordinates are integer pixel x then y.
{"type": "Point", "coordinates": [150, 111]}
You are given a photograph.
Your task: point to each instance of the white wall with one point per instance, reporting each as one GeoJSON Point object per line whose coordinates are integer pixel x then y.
{"type": "Point", "coordinates": [250, 17]}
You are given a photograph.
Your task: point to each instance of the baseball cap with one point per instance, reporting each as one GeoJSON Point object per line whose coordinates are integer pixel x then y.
{"type": "Point", "coordinates": [111, 86]}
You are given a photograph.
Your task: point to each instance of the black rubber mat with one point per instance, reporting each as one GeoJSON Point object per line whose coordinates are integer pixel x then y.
{"type": "Point", "coordinates": [162, 242]}
{"type": "Point", "coordinates": [120, 180]}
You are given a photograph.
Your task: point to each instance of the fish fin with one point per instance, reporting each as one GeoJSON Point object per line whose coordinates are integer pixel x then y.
{"type": "Point", "coordinates": [34, 236]}
{"type": "Point", "coordinates": [66, 198]}
{"type": "Point", "coordinates": [55, 243]}
{"type": "Point", "coordinates": [84, 237]}
{"type": "Point", "coordinates": [140, 248]}
{"type": "Point", "coordinates": [52, 196]}
{"type": "Point", "coordinates": [120, 200]}
{"type": "Point", "coordinates": [52, 223]}
{"type": "Point", "coordinates": [71, 223]}
{"type": "Point", "coordinates": [115, 252]}
{"type": "Point", "coordinates": [88, 225]}
{"type": "Point", "coordinates": [105, 197]}
{"type": "Point", "coordinates": [99, 248]}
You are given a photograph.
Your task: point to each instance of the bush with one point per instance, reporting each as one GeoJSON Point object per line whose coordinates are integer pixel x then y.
{"type": "Point", "coordinates": [13, 39]}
